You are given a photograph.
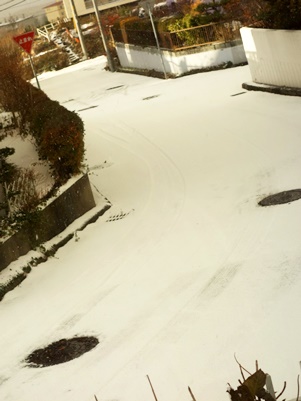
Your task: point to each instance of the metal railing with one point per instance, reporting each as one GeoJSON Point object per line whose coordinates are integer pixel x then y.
{"type": "Point", "coordinates": [199, 36]}
{"type": "Point", "coordinates": [46, 29]}
{"type": "Point", "coordinates": [89, 3]}
{"type": "Point", "coordinates": [181, 39]}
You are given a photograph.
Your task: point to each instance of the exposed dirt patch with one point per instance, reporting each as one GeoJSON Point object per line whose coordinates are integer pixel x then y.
{"type": "Point", "coordinates": [281, 197]}
{"type": "Point", "coordinates": [61, 351]}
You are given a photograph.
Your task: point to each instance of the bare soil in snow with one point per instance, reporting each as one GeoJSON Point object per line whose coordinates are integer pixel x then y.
{"type": "Point", "coordinates": [61, 351]}
{"type": "Point", "coordinates": [281, 197]}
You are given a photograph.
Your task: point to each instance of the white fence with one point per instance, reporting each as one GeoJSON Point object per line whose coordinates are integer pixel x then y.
{"type": "Point", "coordinates": [46, 30]}
{"type": "Point", "coordinates": [274, 56]}
{"type": "Point", "coordinates": [178, 63]}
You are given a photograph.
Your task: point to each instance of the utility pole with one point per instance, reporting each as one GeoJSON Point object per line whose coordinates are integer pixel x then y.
{"type": "Point", "coordinates": [149, 5]}
{"type": "Point", "coordinates": [79, 30]}
{"type": "Point", "coordinates": [103, 37]}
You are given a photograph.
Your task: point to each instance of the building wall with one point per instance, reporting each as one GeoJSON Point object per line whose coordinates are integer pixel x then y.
{"type": "Point", "coordinates": [86, 7]}
{"type": "Point", "coordinates": [179, 63]}
{"type": "Point", "coordinates": [55, 12]}
{"type": "Point", "coordinates": [274, 56]}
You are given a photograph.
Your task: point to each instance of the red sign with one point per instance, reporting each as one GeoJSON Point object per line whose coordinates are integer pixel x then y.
{"type": "Point", "coordinates": [25, 41]}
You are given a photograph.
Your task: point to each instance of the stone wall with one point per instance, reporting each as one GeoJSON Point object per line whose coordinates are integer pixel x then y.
{"type": "Point", "coordinates": [58, 215]}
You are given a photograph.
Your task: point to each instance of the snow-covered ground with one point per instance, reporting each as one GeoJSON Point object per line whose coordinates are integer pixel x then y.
{"type": "Point", "coordinates": [196, 271]}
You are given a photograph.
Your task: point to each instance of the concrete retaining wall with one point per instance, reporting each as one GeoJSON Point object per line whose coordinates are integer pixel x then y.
{"type": "Point", "coordinates": [274, 56]}
{"type": "Point", "coordinates": [181, 62]}
{"type": "Point", "coordinates": [52, 220]}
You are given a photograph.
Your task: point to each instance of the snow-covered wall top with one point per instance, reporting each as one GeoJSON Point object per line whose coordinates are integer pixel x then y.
{"type": "Point", "coordinates": [274, 56]}
{"type": "Point", "coordinates": [54, 218]}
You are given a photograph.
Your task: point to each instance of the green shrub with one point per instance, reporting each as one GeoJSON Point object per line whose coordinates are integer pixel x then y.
{"type": "Point", "coordinates": [138, 31]}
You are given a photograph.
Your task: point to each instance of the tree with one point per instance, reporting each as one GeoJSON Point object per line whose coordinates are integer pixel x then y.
{"type": "Point", "coordinates": [211, 11]}
{"type": "Point", "coordinates": [247, 12]}
{"type": "Point", "coordinates": [282, 14]}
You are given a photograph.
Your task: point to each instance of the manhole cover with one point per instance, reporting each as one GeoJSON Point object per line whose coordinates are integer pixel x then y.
{"type": "Point", "coordinates": [61, 351]}
{"type": "Point", "coordinates": [281, 197]}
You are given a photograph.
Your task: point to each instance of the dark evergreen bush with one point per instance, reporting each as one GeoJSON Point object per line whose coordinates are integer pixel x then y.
{"type": "Point", "coordinates": [138, 31]}
{"type": "Point", "coordinates": [59, 134]}
{"type": "Point", "coordinates": [281, 14]}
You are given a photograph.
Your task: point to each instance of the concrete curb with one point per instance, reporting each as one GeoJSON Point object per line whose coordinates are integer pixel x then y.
{"type": "Point", "coordinates": [278, 90]}
{"type": "Point", "coordinates": [21, 276]}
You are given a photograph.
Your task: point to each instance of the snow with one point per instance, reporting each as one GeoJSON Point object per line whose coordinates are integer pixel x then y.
{"type": "Point", "coordinates": [195, 271]}
{"type": "Point", "coordinates": [26, 156]}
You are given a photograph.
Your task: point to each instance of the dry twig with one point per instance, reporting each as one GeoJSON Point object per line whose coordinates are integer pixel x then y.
{"type": "Point", "coordinates": [150, 383]}
{"type": "Point", "coordinates": [242, 368]}
{"type": "Point", "coordinates": [191, 393]}
{"type": "Point", "coordinates": [282, 391]}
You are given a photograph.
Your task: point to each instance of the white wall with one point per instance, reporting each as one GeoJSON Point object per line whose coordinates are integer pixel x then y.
{"type": "Point", "coordinates": [274, 56]}
{"type": "Point", "coordinates": [55, 12]}
{"type": "Point", "coordinates": [178, 63]}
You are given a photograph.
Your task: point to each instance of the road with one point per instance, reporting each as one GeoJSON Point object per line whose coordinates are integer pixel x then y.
{"type": "Point", "coordinates": [185, 269]}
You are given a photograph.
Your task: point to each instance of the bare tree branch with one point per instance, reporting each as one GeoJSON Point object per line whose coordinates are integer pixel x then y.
{"type": "Point", "coordinates": [242, 368]}
{"type": "Point", "coordinates": [284, 387]}
{"type": "Point", "coordinates": [298, 384]}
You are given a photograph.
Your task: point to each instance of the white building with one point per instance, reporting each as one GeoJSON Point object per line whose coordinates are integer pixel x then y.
{"type": "Point", "coordinates": [55, 11]}
{"type": "Point", "coordinates": [84, 7]}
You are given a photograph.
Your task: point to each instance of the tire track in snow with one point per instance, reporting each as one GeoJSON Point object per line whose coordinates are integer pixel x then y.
{"type": "Point", "coordinates": [166, 197]}
{"type": "Point", "coordinates": [167, 191]}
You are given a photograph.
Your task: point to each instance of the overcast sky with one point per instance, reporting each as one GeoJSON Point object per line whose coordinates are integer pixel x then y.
{"type": "Point", "coordinates": [19, 8]}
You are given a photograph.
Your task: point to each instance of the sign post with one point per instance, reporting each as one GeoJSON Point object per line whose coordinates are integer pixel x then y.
{"type": "Point", "coordinates": [103, 37]}
{"type": "Point", "coordinates": [25, 41]}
